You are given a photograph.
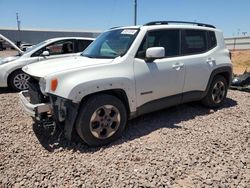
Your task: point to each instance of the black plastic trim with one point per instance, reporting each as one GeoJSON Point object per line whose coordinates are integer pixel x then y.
{"type": "Point", "coordinates": [221, 70]}
{"type": "Point", "coordinates": [158, 104]}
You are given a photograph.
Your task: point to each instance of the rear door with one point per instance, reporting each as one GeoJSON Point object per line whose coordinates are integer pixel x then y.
{"type": "Point", "coordinates": [198, 53]}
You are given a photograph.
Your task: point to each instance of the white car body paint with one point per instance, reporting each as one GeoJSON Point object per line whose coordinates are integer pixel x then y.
{"type": "Point", "coordinates": [17, 62]}
{"type": "Point", "coordinates": [80, 76]}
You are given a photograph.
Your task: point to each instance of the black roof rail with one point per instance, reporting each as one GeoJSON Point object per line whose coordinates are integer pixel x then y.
{"type": "Point", "coordinates": [178, 22]}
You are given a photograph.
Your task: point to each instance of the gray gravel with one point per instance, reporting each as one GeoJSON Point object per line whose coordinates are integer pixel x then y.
{"type": "Point", "coordinates": [184, 146]}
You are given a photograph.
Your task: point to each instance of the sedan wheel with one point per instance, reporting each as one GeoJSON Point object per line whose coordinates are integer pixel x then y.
{"type": "Point", "coordinates": [18, 80]}
{"type": "Point", "coordinates": [21, 81]}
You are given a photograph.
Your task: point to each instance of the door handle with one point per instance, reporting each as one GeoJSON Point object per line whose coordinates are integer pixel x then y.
{"type": "Point", "coordinates": [178, 66]}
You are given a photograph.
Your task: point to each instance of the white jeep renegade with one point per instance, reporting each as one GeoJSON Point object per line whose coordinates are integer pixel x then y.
{"type": "Point", "coordinates": [127, 72]}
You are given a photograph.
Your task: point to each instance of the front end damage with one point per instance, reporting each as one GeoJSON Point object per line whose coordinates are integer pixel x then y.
{"type": "Point", "coordinates": [49, 111]}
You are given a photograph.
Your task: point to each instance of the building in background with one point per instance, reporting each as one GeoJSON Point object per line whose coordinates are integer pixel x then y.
{"type": "Point", "coordinates": [238, 43]}
{"type": "Point", "coordinates": [34, 36]}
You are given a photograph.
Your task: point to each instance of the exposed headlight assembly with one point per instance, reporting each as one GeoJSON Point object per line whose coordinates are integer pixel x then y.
{"type": "Point", "coordinates": [42, 83]}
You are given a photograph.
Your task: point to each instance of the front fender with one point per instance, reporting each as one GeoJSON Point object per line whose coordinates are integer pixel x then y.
{"type": "Point", "coordinates": [91, 87]}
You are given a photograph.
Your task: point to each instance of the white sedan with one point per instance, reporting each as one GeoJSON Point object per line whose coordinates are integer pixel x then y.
{"type": "Point", "coordinates": [11, 74]}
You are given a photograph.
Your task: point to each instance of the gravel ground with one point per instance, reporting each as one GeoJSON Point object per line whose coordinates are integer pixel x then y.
{"type": "Point", "coordinates": [7, 53]}
{"type": "Point", "coordinates": [184, 146]}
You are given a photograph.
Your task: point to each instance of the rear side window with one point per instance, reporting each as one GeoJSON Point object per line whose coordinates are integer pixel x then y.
{"type": "Point", "coordinates": [82, 45]}
{"type": "Point", "coordinates": [193, 42]}
{"type": "Point", "coordinates": [211, 40]}
{"type": "Point", "coordinates": [169, 39]}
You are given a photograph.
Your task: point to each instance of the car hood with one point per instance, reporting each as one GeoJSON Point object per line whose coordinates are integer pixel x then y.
{"type": "Point", "coordinates": [50, 67]}
{"type": "Point", "coordinates": [11, 43]}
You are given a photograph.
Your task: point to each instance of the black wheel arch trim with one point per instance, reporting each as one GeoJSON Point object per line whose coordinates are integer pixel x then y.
{"type": "Point", "coordinates": [225, 71]}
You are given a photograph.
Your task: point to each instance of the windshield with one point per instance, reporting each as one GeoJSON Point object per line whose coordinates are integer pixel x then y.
{"type": "Point", "coordinates": [34, 47]}
{"type": "Point", "coordinates": [111, 44]}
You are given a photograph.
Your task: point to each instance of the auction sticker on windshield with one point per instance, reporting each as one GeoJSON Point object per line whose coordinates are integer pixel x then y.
{"type": "Point", "coordinates": [129, 31]}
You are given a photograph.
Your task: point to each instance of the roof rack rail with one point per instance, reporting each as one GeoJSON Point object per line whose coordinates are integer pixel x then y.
{"type": "Point", "coordinates": [178, 22]}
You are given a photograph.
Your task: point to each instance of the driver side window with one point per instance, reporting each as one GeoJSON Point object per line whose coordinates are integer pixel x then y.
{"type": "Point", "coordinates": [169, 39]}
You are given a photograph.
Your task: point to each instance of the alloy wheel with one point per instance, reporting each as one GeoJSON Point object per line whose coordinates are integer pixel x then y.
{"type": "Point", "coordinates": [20, 81]}
{"type": "Point", "coordinates": [218, 92]}
{"type": "Point", "coordinates": [105, 121]}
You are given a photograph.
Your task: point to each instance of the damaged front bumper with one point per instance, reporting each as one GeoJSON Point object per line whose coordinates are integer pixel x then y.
{"type": "Point", "coordinates": [57, 111]}
{"type": "Point", "coordinates": [33, 109]}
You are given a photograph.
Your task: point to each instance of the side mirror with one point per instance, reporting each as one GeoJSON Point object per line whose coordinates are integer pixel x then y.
{"type": "Point", "coordinates": [45, 53]}
{"type": "Point", "coordinates": [155, 53]}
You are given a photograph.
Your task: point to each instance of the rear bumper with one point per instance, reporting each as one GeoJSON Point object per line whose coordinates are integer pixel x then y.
{"type": "Point", "coordinates": [32, 109]}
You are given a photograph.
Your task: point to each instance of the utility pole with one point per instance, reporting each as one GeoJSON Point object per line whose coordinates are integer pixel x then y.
{"type": "Point", "coordinates": [135, 12]}
{"type": "Point", "coordinates": [19, 30]}
{"type": "Point", "coordinates": [18, 22]}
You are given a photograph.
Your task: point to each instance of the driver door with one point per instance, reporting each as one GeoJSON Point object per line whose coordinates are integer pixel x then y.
{"type": "Point", "coordinates": [160, 78]}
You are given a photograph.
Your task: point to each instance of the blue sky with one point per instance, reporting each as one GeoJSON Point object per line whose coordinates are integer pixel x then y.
{"type": "Point", "coordinates": [229, 15]}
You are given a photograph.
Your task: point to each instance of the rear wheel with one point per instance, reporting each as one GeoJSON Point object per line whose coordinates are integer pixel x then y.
{"type": "Point", "coordinates": [18, 80]}
{"type": "Point", "coordinates": [216, 93]}
{"type": "Point", "coordinates": [102, 119]}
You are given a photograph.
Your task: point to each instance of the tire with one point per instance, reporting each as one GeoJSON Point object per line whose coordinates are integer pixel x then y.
{"type": "Point", "coordinates": [18, 80]}
{"type": "Point", "coordinates": [217, 92]}
{"type": "Point", "coordinates": [101, 119]}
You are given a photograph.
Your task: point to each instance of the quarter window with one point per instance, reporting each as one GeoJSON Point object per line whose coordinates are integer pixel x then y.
{"type": "Point", "coordinates": [211, 40]}
{"type": "Point", "coordinates": [193, 42]}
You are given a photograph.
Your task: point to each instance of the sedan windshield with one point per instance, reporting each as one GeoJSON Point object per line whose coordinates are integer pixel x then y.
{"type": "Point", "coordinates": [37, 46]}
{"type": "Point", "coordinates": [111, 44]}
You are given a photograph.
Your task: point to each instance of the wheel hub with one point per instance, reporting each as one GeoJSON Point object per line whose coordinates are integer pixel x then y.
{"type": "Point", "coordinates": [105, 121]}
{"type": "Point", "coordinates": [218, 92]}
{"type": "Point", "coordinates": [21, 81]}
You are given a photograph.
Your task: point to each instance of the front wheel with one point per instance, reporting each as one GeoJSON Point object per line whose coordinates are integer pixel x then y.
{"type": "Point", "coordinates": [18, 80]}
{"type": "Point", "coordinates": [216, 93]}
{"type": "Point", "coordinates": [101, 119]}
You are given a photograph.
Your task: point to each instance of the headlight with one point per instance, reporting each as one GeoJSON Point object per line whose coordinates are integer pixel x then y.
{"type": "Point", "coordinates": [42, 83]}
